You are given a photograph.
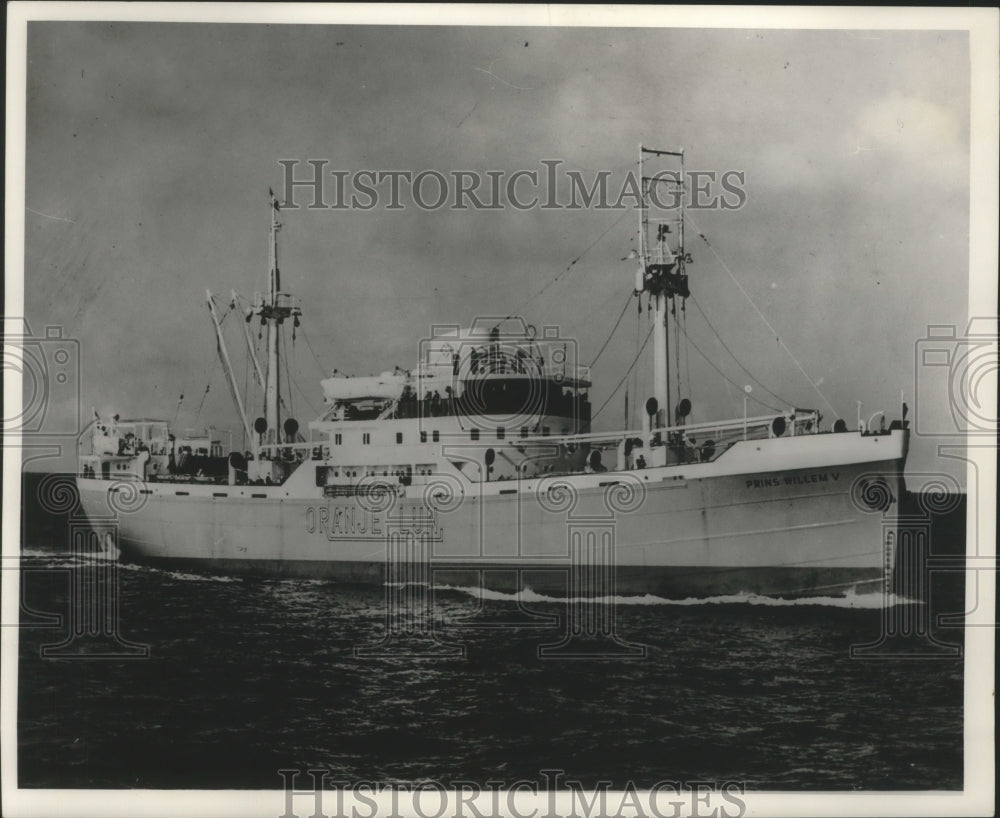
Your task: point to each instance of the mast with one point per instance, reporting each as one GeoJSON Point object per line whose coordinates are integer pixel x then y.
{"type": "Point", "coordinates": [273, 329]}
{"type": "Point", "coordinates": [663, 278]}
{"type": "Point", "coordinates": [273, 308]}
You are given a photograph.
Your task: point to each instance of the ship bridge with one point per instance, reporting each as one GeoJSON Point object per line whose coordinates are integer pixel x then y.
{"type": "Point", "coordinates": [497, 367]}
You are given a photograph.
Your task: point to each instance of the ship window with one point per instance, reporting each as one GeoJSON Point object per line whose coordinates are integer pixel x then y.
{"type": "Point", "coordinates": [366, 438]}
{"type": "Point", "coordinates": [524, 431]}
{"type": "Point", "coordinates": [501, 433]}
{"type": "Point", "coordinates": [474, 434]}
{"type": "Point", "coordinates": [423, 437]}
{"type": "Point", "coordinates": [338, 439]}
{"type": "Point", "coordinates": [435, 435]}
{"type": "Point", "coordinates": [399, 437]}
{"type": "Point", "coordinates": [545, 431]}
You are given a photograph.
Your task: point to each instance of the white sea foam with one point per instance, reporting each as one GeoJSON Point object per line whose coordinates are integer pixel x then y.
{"type": "Point", "coordinates": [865, 601]}
{"type": "Point", "coordinates": [302, 581]}
{"type": "Point", "coordinates": [200, 577]}
{"type": "Point", "coordinates": [48, 565]}
{"type": "Point", "coordinates": [38, 553]}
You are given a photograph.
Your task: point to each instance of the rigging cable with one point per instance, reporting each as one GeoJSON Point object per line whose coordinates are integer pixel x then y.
{"type": "Point", "coordinates": [748, 373]}
{"type": "Point", "coordinates": [746, 295]}
{"type": "Point", "coordinates": [730, 380]}
{"type": "Point", "coordinates": [218, 345]}
{"type": "Point", "coordinates": [677, 349]}
{"type": "Point", "coordinates": [630, 420]}
{"type": "Point", "coordinates": [288, 369]}
{"type": "Point", "coordinates": [625, 376]}
{"type": "Point", "coordinates": [244, 443]}
{"type": "Point", "coordinates": [284, 352]}
{"type": "Point", "coordinates": [568, 267]}
{"type": "Point", "coordinates": [202, 403]}
{"type": "Point", "coordinates": [290, 383]}
{"type": "Point", "coordinates": [586, 250]}
{"type": "Point", "coordinates": [615, 327]}
{"type": "Point", "coordinates": [319, 365]}
{"type": "Point", "coordinates": [687, 355]}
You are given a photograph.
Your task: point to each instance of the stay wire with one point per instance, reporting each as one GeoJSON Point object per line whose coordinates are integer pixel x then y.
{"type": "Point", "coordinates": [613, 329]}
{"type": "Point", "coordinates": [728, 379]}
{"type": "Point", "coordinates": [777, 336]}
{"type": "Point", "coordinates": [568, 267]}
{"type": "Point", "coordinates": [732, 354]}
{"type": "Point", "coordinates": [290, 383]}
{"type": "Point", "coordinates": [625, 376]}
{"type": "Point", "coordinates": [319, 365]}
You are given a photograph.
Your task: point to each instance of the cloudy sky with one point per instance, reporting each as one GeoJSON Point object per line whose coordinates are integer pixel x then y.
{"type": "Point", "coordinates": [151, 147]}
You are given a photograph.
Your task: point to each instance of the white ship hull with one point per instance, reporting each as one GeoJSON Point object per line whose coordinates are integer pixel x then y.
{"type": "Point", "coordinates": [788, 516]}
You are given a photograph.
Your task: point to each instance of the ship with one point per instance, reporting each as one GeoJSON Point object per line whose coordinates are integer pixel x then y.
{"type": "Point", "coordinates": [479, 467]}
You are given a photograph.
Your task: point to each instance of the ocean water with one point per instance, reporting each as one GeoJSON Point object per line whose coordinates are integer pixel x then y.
{"type": "Point", "coordinates": [246, 676]}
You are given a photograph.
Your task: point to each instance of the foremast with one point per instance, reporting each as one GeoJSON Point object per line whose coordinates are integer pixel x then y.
{"type": "Point", "coordinates": [662, 271]}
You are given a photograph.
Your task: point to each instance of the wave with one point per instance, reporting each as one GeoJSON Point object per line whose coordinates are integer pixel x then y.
{"type": "Point", "coordinates": [864, 601]}
{"type": "Point", "coordinates": [869, 600]}
{"type": "Point", "coordinates": [41, 553]}
{"type": "Point", "coordinates": [61, 559]}
{"type": "Point", "coordinates": [54, 563]}
{"type": "Point", "coordinates": [301, 581]}
{"type": "Point", "coordinates": [199, 577]}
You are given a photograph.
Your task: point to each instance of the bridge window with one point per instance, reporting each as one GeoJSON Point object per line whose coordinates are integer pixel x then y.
{"type": "Point", "coordinates": [501, 433]}
{"type": "Point", "coordinates": [366, 438]}
{"type": "Point", "coordinates": [423, 437]}
{"type": "Point", "coordinates": [524, 431]}
{"type": "Point", "coordinates": [474, 434]}
{"type": "Point", "coordinates": [338, 438]}
{"type": "Point", "coordinates": [399, 437]}
{"type": "Point", "coordinates": [435, 435]}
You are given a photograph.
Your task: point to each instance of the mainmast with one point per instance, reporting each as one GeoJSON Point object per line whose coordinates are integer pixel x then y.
{"type": "Point", "coordinates": [662, 273]}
